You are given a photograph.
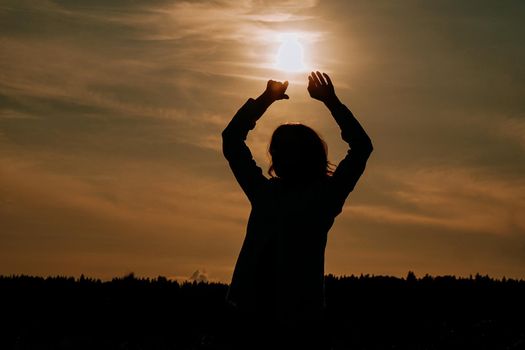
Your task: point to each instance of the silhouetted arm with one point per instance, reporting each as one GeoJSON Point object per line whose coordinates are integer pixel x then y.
{"type": "Point", "coordinates": [248, 174]}
{"type": "Point", "coordinates": [353, 165]}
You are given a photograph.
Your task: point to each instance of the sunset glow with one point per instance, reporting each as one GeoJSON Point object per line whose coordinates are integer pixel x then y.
{"type": "Point", "coordinates": [111, 114]}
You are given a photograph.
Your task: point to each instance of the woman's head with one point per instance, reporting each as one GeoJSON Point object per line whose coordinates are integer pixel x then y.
{"type": "Point", "coordinates": [297, 152]}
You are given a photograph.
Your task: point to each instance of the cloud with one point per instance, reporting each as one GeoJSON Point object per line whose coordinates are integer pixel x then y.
{"type": "Point", "coordinates": [114, 221]}
{"type": "Point", "coordinates": [154, 60]}
{"type": "Point", "coordinates": [514, 130]}
{"type": "Point", "coordinates": [111, 113]}
{"type": "Point", "coordinates": [452, 198]}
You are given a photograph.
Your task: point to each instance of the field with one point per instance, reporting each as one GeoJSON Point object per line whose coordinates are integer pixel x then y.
{"type": "Point", "coordinates": [363, 312]}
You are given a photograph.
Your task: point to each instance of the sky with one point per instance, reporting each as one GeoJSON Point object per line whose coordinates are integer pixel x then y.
{"type": "Point", "coordinates": [111, 114]}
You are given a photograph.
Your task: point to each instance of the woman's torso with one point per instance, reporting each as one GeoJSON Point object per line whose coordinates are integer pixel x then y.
{"type": "Point", "coordinates": [280, 269]}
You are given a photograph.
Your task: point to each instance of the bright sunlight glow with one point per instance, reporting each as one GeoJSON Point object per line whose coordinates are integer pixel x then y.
{"type": "Point", "coordinates": [290, 56]}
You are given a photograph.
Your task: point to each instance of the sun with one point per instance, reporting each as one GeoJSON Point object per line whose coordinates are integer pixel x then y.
{"type": "Point", "coordinates": [290, 57]}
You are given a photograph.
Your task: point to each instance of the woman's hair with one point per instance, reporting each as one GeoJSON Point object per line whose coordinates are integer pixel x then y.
{"type": "Point", "coordinates": [298, 152]}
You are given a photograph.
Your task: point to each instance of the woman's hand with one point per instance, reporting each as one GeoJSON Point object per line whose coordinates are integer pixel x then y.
{"type": "Point", "coordinates": [275, 90]}
{"type": "Point", "coordinates": [321, 88]}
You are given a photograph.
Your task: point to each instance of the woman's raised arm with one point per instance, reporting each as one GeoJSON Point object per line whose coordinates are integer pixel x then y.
{"type": "Point", "coordinates": [248, 174]}
{"type": "Point", "coordinates": [349, 170]}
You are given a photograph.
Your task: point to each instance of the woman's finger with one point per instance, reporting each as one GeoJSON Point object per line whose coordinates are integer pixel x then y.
{"type": "Point", "coordinates": [321, 79]}
{"type": "Point", "coordinates": [328, 80]}
{"type": "Point", "coordinates": [315, 79]}
{"type": "Point", "coordinates": [311, 82]}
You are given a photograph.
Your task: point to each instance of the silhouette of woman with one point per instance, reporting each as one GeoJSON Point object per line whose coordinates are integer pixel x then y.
{"type": "Point", "coordinates": [278, 282]}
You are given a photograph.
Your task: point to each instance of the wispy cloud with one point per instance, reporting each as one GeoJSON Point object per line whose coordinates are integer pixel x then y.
{"type": "Point", "coordinates": [454, 198]}
{"type": "Point", "coordinates": [111, 113]}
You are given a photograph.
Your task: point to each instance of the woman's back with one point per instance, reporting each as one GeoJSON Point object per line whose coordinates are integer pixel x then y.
{"type": "Point", "coordinates": [279, 275]}
{"type": "Point", "coordinates": [281, 265]}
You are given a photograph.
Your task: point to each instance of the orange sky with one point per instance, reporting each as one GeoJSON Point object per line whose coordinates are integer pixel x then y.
{"type": "Point", "coordinates": [111, 113]}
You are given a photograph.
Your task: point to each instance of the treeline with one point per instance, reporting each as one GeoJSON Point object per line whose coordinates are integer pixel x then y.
{"type": "Point", "coordinates": [363, 312]}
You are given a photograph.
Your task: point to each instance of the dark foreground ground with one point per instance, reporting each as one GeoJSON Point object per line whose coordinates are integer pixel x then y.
{"type": "Point", "coordinates": [364, 312]}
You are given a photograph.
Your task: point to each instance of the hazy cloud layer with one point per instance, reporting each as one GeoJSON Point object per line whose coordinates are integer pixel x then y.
{"type": "Point", "coordinates": [111, 113]}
